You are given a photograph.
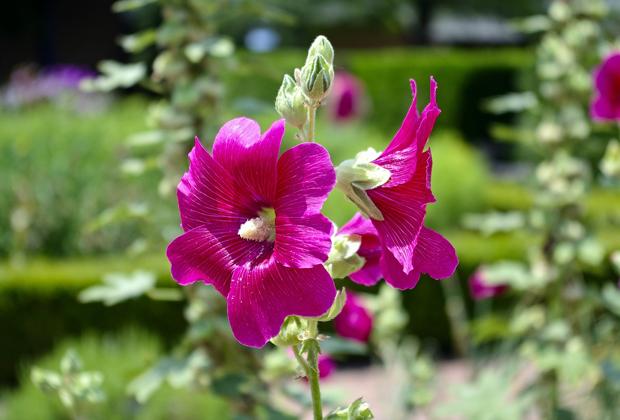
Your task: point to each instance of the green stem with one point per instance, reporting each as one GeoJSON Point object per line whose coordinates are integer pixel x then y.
{"type": "Point", "coordinates": [311, 118]}
{"type": "Point", "coordinates": [311, 367]}
{"type": "Point", "coordinates": [313, 378]}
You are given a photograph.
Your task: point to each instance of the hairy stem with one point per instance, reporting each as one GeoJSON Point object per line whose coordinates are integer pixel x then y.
{"type": "Point", "coordinates": [313, 378]}
{"type": "Point", "coordinates": [311, 119]}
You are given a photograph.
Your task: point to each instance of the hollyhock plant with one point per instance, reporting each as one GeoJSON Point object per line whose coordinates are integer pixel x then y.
{"type": "Point", "coordinates": [346, 99]}
{"type": "Point", "coordinates": [354, 321]}
{"type": "Point", "coordinates": [393, 189]}
{"type": "Point", "coordinates": [606, 104]}
{"type": "Point", "coordinates": [253, 228]}
{"type": "Point", "coordinates": [479, 287]}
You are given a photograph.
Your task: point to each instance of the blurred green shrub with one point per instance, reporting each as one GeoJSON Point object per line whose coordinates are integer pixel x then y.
{"type": "Point", "coordinates": [58, 171]}
{"type": "Point", "coordinates": [120, 358]}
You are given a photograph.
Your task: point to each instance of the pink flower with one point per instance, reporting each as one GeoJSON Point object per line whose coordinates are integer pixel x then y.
{"type": "Point", "coordinates": [253, 228]}
{"type": "Point", "coordinates": [606, 104]}
{"type": "Point", "coordinates": [327, 366]}
{"type": "Point", "coordinates": [354, 321]}
{"type": "Point", "coordinates": [346, 98]}
{"type": "Point", "coordinates": [407, 248]}
{"type": "Point", "coordinates": [480, 289]}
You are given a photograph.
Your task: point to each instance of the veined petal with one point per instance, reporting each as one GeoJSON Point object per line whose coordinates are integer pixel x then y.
{"type": "Point", "coordinates": [250, 158]}
{"type": "Point", "coordinates": [406, 133]}
{"type": "Point", "coordinates": [302, 242]}
{"type": "Point", "coordinates": [305, 178]}
{"type": "Point", "coordinates": [404, 208]}
{"type": "Point", "coordinates": [394, 274]}
{"type": "Point", "coordinates": [429, 116]}
{"type": "Point", "coordinates": [209, 195]}
{"type": "Point", "coordinates": [197, 255]}
{"type": "Point", "coordinates": [434, 255]}
{"type": "Point", "coordinates": [262, 296]}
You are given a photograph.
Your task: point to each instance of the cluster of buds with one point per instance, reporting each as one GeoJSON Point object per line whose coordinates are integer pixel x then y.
{"type": "Point", "coordinates": [74, 387]}
{"type": "Point", "coordinates": [310, 86]}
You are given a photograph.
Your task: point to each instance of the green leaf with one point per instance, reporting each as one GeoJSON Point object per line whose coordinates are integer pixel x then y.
{"type": "Point", "coordinates": [136, 43]}
{"type": "Point", "coordinates": [118, 287]}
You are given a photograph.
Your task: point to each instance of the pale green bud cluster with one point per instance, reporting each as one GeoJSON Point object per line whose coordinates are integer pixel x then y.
{"type": "Point", "coordinates": [290, 103]}
{"type": "Point", "coordinates": [72, 385]}
{"type": "Point", "coordinates": [317, 75]}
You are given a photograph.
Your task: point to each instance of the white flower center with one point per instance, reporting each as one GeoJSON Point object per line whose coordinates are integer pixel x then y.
{"type": "Point", "coordinates": [261, 228]}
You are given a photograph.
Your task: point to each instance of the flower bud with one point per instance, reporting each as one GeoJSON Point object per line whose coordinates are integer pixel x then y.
{"type": "Point", "coordinates": [343, 258]}
{"type": "Point", "coordinates": [290, 333]}
{"type": "Point", "coordinates": [316, 78]}
{"type": "Point", "coordinates": [290, 103]}
{"type": "Point", "coordinates": [355, 176]}
{"type": "Point", "coordinates": [321, 46]}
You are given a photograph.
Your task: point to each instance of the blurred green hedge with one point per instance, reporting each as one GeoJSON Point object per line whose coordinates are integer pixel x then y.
{"type": "Point", "coordinates": [58, 171]}
{"type": "Point", "coordinates": [466, 77]}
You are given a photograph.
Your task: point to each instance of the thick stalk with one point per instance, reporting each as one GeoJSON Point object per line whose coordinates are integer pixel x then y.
{"type": "Point", "coordinates": [313, 379]}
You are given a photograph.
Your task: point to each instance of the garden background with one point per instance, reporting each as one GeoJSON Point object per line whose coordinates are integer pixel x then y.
{"type": "Point", "coordinates": [81, 189]}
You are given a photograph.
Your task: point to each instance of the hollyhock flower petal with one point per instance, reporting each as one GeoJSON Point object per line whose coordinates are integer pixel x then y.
{"type": "Point", "coordinates": [370, 250]}
{"type": "Point", "coordinates": [198, 256]}
{"type": "Point", "coordinates": [326, 365]}
{"type": "Point", "coordinates": [404, 208]}
{"type": "Point", "coordinates": [302, 242]}
{"type": "Point", "coordinates": [354, 321]}
{"type": "Point", "coordinates": [479, 289]}
{"type": "Point", "coordinates": [606, 104]}
{"type": "Point", "coordinates": [208, 194]}
{"type": "Point", "coordinates": [434, 255]}
{"type": "Point", "coordinates": [250, 157]}
{"type": "Point", "coordinates": [305, 178]}
{"type": "Point", "coordinates": [262, 295]}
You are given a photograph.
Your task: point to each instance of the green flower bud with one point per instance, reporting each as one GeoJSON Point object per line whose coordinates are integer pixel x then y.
{"type": "Point", "coordinates": [290, 333]}
{"type": "Point", "coordinates": [316, 78]}
{"type": "Point", "coordinates": [290, 103]}
{"type": "Point", "coordinates": [321, 46]}
{"type": "Point", "coordinates": [355, 176]}
{"type": "Point", "coordinates": [343, 259]}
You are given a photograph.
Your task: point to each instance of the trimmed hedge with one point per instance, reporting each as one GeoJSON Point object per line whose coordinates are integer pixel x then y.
{"type": "Point", "coordinates": [466, 77]}
{"type": "Point", "coordinates": [38, 305]}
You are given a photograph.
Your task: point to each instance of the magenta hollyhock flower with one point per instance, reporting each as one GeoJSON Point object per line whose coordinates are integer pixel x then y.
{"type": "Point", "coordinates": [354, 321]}
{"type": "Point", "coordinates": [408, 249]}
{"type": "Point", "coordinates": [606, 104]}
{"type": "Point", "coordinates": [253, 228]}
{"type": "Point", "coordinates": [326, 365]}
{"type": "Point", "coordinates": [480, 289]}
{"type": "Point", "coordinates": [346, 97]}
